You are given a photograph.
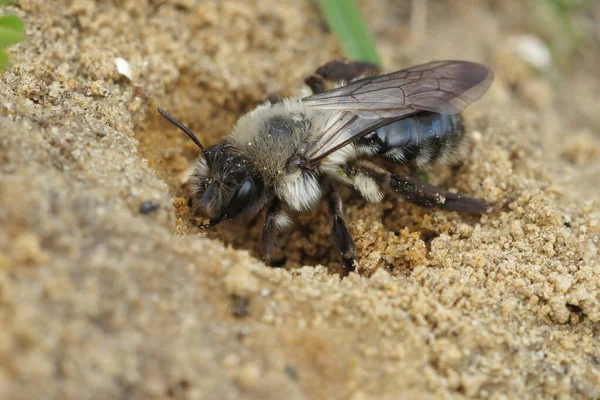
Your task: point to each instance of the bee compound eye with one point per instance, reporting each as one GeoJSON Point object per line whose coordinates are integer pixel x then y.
{"type": "Point", "coordinates": [243, 193]}
{"type": "Point", "coordinates": [241, 199]}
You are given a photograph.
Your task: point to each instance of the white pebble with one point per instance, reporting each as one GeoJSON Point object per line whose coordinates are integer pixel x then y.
{"type": "Point", "coordinates": [532, 50]}
{"type": "Point", "coordinates": [123, 67]}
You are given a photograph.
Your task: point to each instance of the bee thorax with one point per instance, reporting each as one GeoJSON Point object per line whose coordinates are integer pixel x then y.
{"type": "Point", "coordinates": [272, 136]}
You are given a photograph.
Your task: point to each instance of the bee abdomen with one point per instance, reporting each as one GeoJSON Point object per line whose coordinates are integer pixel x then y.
{"type": "Point", "coordinates": [419, 140]}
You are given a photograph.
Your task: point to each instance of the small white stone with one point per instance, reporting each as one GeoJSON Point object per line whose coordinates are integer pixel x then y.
{"type": "Point", "coordinates": [532, 50]}
{"type": "Point", "coordinates": [123, 67]}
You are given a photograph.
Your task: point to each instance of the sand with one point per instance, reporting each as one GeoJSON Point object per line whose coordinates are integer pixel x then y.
{"type": "Point", "coordinates": [108, 290]}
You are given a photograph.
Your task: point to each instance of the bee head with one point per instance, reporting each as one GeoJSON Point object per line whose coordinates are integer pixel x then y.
{"type": "Point", "coordinates": [222, 183]}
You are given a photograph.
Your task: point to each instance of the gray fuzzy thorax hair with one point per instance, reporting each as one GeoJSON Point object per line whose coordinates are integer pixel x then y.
{"type": "Point", "coordinates": [273, 136]}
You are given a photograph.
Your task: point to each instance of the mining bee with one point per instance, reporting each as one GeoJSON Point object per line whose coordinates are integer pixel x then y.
{"type": "Point", "coordinates": [287, 155]}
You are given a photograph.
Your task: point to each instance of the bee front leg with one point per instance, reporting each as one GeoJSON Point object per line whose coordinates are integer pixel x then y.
{"type": "Point", "coordinates": [276, 221]}
{"type": "Point", "coordinates": [340, 236]}
{"type": "Point", "coordinates": [272, 98]}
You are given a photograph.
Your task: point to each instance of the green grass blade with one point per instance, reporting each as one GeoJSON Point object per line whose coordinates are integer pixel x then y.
{"type": "Point", "coordinates": [9, 36]}
{"type": "Point", "coordinates": [12, 30]}
{"type": "Point", "coordinates": [344, 20]}
{"type": "Point", "coordinates": [12, 22]}
{"type": "Point", "coordinates": [4, 63]}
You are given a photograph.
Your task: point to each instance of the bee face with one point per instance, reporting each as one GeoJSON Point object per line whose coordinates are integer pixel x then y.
{"type": "Point", "coordinates": [223, 185]}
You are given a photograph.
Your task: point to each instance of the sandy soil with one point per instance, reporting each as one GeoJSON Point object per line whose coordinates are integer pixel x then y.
{"type": "Point", "coordinates": [101, 300]}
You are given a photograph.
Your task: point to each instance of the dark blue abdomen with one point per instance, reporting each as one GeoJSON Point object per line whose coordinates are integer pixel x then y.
{"type": "Point", "coordinates": [420, 140]}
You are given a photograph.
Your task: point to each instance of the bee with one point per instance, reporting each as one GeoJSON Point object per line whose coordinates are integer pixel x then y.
{"type": "Point", "coordinates": [286, 156]}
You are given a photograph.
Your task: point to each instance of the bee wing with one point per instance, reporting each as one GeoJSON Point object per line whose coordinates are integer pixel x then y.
{"type": "Point", "coordinates": [444, 87]}
{"type": "Point", "coordinates": [343, 128]}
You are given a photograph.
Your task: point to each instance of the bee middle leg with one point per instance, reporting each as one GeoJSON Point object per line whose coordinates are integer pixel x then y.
{"type": "Point", "coordinates": [339, 70]}
{"type": "Point", "coordinates": [340, 236]}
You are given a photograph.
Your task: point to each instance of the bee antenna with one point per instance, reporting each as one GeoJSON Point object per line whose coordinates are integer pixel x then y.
{"type": "Point", "coordinates": [184, 128]}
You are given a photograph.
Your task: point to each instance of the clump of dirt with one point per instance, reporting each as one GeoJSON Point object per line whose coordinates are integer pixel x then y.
{"type": "Point", "coordinates": [107, 289]}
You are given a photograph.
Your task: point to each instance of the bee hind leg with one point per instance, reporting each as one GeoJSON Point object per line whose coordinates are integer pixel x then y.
{"type": "Point", "coordinates": [372, 181]}
{"type": "Point", "coordinates": [428, 196]}
{"type": "Point", "coordinates": [340, 236]}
